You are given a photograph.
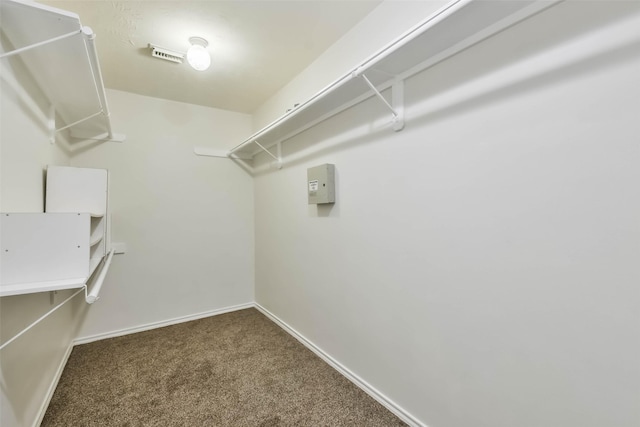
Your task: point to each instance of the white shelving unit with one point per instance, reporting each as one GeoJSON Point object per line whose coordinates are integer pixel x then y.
{"type": "Point", "coordinates": [72, 189]}
{"type": "Point", "coordinates": [43, 252]}
{"type": "Point", "coordinates": [61, 56]}
{"type": "Point", "coordinates": [61, 248]}
{"type": "Point", "coordinates": [455, 27]}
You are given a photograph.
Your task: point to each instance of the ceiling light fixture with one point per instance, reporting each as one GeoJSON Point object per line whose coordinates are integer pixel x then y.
{"type": "Point", "coordinates": [197, 55]}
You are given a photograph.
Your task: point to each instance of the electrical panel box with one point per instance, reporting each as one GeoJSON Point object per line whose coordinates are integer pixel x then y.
{"type": "Point", "coordinates": [321, 184]}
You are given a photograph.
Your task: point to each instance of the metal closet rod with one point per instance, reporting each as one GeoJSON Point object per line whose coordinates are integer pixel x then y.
{"type": "Point", "coordinates": [90, 298]}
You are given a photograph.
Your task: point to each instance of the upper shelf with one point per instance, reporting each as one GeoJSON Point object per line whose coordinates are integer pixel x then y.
{"type": "Point", "coordinates": [60, 55]}
{"type": "Point", "coordinates": [458, 25]}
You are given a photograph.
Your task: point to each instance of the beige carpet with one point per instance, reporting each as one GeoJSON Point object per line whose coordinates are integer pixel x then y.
{"type": "Point", "coordinates": [236, 369]}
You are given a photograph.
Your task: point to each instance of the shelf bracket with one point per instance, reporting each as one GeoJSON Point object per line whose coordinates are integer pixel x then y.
{"type": "Point", "coordinates": [224, 154]}
{"type": "Point", "coordinates": [79, 134]}
{"type": "Point", "coordinates": [79, 121]}
{"type": "Point", "coordinates": [397, 98]}
{"type": "Point", "coordinates": [42, 43]}
{"type": "Point", "coordinates": [91, 136]}
{"type": "Point", "coordinates": [277, 158]}
{"type": "Point", "coordinates": [51, 124]}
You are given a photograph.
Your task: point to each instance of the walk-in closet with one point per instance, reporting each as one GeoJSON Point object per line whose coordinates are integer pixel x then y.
{"type": "Point", "coordinates": [320, 213]}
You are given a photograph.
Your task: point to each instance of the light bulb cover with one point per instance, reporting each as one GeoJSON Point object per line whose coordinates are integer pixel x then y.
{"type": "Point", "coordinates": [197, 55]}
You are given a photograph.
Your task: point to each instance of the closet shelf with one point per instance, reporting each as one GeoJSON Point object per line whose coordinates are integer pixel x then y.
{"type": "Point", "coordinates": [456, 26]}
{"type": "Point", "coordinates": [30, 288]}
{"type": "Point", "coordinates": [62, 284]}
{"type": "Point", "coordinates": [96, 240]}
{"type": "Point", "coordinates": [61, 56]}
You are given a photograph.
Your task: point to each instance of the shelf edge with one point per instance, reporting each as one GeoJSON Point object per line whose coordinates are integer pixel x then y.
{"type": "Point", "coordinates": [35, 287]}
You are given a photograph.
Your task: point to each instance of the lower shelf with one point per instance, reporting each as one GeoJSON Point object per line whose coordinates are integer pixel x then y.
{"type": "Point", "coordinates": [54, 285]}
{"type": "Point", "coordinates": [32, 288]}
{"type": "Point", "coordinates": [43, 252]}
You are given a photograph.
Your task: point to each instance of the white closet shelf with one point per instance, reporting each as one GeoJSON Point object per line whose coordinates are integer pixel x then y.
{"type": "Point", "coordinates": [53, 285]}
{"type": "Point", "coordinates": [82, 284]}
{"type": "Point", "coordinates": [61, 56]}
{"type": "Point", "coordinates": [96, 240]}
{"type": "Point", "coordinates": [456, 26]}
{"type": "Point", "coordinates": [31, 288]}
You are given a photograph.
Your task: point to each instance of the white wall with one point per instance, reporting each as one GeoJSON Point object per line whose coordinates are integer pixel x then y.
{"type": "Point", "coordinates": [28, 365]}
{"type": "Point", "coordinates": [480, 268]}
{"type": "Point", "coordinates": [187, 221]}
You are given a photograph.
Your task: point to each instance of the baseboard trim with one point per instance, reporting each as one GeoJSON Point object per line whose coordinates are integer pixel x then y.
{"type": "Point", "coordinates": [52, 387]}
{"type": "Point", "coordinates": [351, 376]}
{"type": "Point", "coordinates": [362, 384]}
{"type": "Point", "coordinates": [160, 324]}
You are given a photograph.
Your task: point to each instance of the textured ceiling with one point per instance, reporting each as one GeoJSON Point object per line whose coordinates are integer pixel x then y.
{"type": "Point", "coordinates": [256, 46]}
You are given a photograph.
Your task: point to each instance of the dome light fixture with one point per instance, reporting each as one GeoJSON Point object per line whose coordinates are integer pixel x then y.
{"type": "Point", "coordinates": [197, 55]}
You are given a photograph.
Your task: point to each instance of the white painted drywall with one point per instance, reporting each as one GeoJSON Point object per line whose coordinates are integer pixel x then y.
{"type": "Point", "coordinates": [386, 22]}
{"type": "Point", "coordinates": [187, 221]}
{"type": "Point", "coordinates": [479, 268]}
{"type": "Point", "coordinates": [29, 365]}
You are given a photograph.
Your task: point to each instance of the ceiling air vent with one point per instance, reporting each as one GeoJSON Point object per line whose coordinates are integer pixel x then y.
{"type": "Point", "coordinates": [167, 54]}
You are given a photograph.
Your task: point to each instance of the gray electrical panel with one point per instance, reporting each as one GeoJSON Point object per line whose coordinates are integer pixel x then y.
{"type": "Point", "coordinates": [321, 184]}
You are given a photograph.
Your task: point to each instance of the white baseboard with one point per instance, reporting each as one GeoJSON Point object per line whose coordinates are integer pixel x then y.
{"type": "Point", "coordinates": [366, 387]}
{"type": "Point", "coordinates": [52, 387]}
{"type": "Point", "coordinates": [160, 324]}
{"type": "Point", "coordinates": [118, 333]}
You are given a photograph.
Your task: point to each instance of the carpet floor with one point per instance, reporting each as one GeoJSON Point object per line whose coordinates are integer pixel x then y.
{"type": "Point", "coordinates": [236, 369]}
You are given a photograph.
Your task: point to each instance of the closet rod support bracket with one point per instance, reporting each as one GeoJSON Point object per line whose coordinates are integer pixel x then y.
{"type": "Point", "coordinates": [397, 101]}
{"type": "Point", "coordinates": [51, 124]}
{"type": "Point", "coordinates": [278, 158]}
{"type": "Point", "coordinates": [397, 98]}
{"type": "Point", "coordinates": [279, 151]}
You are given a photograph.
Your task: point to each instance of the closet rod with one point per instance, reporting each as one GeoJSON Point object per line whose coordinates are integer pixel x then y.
{"type": "Point", "coordinates": [92, 297]}
{"type": "Point", "coordinates": [90, 37]}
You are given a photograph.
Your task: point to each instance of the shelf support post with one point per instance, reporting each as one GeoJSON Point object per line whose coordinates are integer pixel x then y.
{"type": "Point", "coordinates": [397, 96]}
